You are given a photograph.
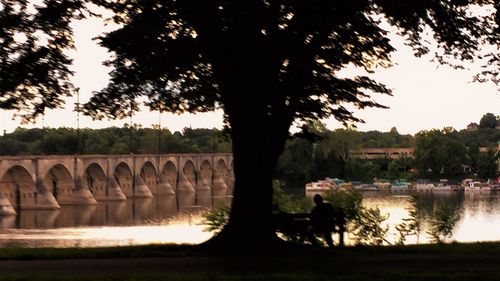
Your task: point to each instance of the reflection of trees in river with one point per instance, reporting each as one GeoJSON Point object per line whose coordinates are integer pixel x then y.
{"type": "Point", "coordinates": [421, 208]}
{"type": "Point", "coordinates": [428, 202]}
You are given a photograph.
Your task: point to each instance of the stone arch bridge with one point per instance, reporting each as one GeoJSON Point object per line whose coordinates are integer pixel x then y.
{"type": "Point", "coordinates": [48, 181]}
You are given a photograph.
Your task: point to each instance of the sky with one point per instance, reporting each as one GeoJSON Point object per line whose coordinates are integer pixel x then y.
{"type": "Point", "coordinates": [425, 95]}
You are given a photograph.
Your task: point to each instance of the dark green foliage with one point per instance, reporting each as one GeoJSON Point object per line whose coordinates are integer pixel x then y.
{"type": "Point", "coordinates": [487, 164]}
{"type": "Point", "coordinates": [489, 121]}
{"type": "Point", "coordinates": [411, 225]}
{"type": "Point", "coordinates": [285, 202]}
{"type": "Point", "coordinates": [296, 166]}
{"type": "Point", "coordinates": [366, 225]}
{"type": "Point", "coordinates": [482, 137]}
{"type": "Point", "coordinates": [217, 218]}
{"type": "Point", "coordinates": [439, 153]}
{"type": "Point", "coordinates": [376, 139]}
{"type": "Point", "coordinates": [365, 170]}
{"type": "Point", "coordinates": [443, 221]}
{"type": "Point", "coordinates": [34, 64]}
{"type": "Point", "coordinates": [349, 201]}
{"type": "Point", "coordinates": [111, 140]}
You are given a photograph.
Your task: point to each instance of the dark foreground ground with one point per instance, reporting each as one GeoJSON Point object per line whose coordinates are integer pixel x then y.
{"type": "Point", "coordinates": [426, 262]}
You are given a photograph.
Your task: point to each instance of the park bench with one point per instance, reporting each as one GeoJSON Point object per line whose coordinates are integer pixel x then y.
{"type": "Point", "coordinates": [296, 226]}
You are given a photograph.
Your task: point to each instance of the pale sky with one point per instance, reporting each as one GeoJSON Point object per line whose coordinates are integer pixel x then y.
{"type": "Point", "coordinates": [425, 95]}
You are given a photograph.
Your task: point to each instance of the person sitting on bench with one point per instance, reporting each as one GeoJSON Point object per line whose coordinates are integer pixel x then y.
{"type": "Point", "coordinates": [322, 221]}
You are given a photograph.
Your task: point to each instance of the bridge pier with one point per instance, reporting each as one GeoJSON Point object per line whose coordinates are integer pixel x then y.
{"type": "Point", "coordinates": [45, 200]}
{"type": "Point", "coordinates": [113, 191]}
{"type": "Point", "coordinates": [141, 190]}
{"type": "Point", "coordinates": [220, 187]}
{"type": "Point", "coordinates": [164, 188]}
{"type": "Point", "coordinates": [6, 208]}
{"type": "Point", "coordinates": [185, 184]}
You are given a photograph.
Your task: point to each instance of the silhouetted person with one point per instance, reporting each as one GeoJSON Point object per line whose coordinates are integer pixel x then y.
{"type": "Point", "coordinates": [322, 221]}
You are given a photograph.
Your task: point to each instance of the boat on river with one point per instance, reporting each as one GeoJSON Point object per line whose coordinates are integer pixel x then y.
{"type": "Point", "coordinates": [328, 184]}
{"type": "Point", "coordinates": [476, 185]}
{"type": "Point", "coordinates": [400, 185]}
{"type": "Point", "coordinates": [321, 185]}
{"type": "Point", "coordinates": [446, 185]}
{"type": "Point", "coordinates": [382, 183]}
{"type": "Point", "coordinates": [341, 184]}
{"type": "Point", "coordinates": [368, 187]}
{"type": "Point", "coordinates": [424, 185]}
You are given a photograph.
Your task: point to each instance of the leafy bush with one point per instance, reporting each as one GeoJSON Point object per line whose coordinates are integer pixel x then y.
{"type": "Point", "coordinates": [442, 223]}
{"type": "Point", "coordinates": [363, 223]}
{"type": "Point", "coordinates": [217, 218]}
{"type": "Point", "coordinates": [367, 227]}
{"type": "Point", "coordinates": [412, 224]}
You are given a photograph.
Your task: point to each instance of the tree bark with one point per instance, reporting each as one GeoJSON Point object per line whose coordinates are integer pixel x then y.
{"type": "Point", "coordinates": [258, 140]}
{"type": "Point", "coordinates": [250, 224]}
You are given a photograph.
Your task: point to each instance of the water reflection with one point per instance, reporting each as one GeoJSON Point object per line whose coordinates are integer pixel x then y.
{"type": "Point", "coordinates": [163, 219]}
{"type": "Point", "coordinates": [177, 219]}
{"type": "Point", "coordinates": [479, 212]}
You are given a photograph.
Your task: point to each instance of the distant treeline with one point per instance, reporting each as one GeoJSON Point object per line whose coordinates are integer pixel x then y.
{"type": "Point", "coordinates": [113, 140]}
{"type": "Point", "coordinates": [316, 153]}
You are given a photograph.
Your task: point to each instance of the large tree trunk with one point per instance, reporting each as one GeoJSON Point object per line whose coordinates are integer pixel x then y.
{"type": "Point", "coordinates": [258, 139]}
{"type": "Point", "coordinates": [256, 148]}
{"type": "Point", "coordinates": [259, 129]}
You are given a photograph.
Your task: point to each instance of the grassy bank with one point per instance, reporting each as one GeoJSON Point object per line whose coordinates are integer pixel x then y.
{"type": "Point", "coordinates": [475, 261]}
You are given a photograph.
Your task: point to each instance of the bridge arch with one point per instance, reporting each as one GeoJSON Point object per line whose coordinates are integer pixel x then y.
{"type": "Point", "coordinates": [94, 178]}
{"type": "Point", "coordinates": [221, 168]}
{"type": "Point", "coordinates": [60, 183]}
{"type": "Point", "coordinates": [85, 177]}
{"type": "Point", "coordinates": [205, 178]}
{"type": "Point", "coordinates": [124, 178]}
{"type": "Point", "coordinates": [168, 179]}
{"type": "Point", "coordinates": [219, 184]}
{"type": "Point", "coordinates": [230, 178]}
{"type": "Point", "coordinates": [187, 177]}
{"type": "Point", "coordinates": [189, 171]}
{"type": "Point", "coordinates": [18, 188]}
{"type": "Point", "coordinates": [149, 176]}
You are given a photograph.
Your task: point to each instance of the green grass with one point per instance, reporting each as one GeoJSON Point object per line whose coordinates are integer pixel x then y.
{"type": "Point", "coordinates": [188, 250]}
{"type": "Point", "coordinates": [464, 261]}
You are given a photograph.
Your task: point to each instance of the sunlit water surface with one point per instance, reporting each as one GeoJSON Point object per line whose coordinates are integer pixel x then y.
{"type": "Point", "coordinates": [479, 213]}
{"type": "Point", "coordinates": [165, 219]}
{"type": "Point", "coordinates": [179, 219]}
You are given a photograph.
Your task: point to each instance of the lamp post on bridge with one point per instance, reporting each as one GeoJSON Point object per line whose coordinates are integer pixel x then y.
{"type": "Point", "coordinates": [77, 109]}
{"type": "Point", "coordinates": [159, 131]}
{"type": "Point", "coordinates": [130, 150]}
{"type": "Point", "coordinates": [43, 134]}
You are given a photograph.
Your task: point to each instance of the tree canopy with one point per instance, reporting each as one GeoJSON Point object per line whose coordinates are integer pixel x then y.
{"type": "Point", "coordinates": [489, 120]}
{"type": "Point", "coordinates": [266, 63]}
{"type": "Point", "coordinates": [34, 64]}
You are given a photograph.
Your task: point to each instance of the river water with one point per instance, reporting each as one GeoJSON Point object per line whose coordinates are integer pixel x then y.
{"type": "Point", "coordinates": [163, 219]}
{"type": "Point", "coordinates": [479, 212]}
{"type": "Point", "coordinates": [179, 219]}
